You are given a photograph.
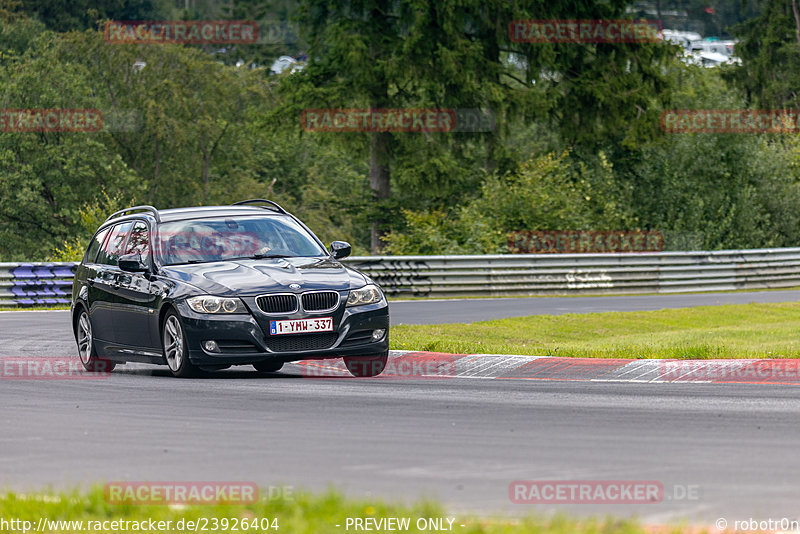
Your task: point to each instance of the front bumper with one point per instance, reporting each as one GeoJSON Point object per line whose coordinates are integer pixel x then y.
{"type": "Point", "coordinates": [245, 339]}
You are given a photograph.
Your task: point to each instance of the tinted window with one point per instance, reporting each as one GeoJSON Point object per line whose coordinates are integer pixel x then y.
{"type": "Point", "coordinates": [138, 242]}
{"type": "Point", "coordinates": [226, 238]}
{"type": "Point", "coordinates": [94, 246]}
{"type": "Point", "coordinates": [112, 248]}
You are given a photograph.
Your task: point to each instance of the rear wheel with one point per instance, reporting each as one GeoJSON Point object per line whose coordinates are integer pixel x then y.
{"type": "Point", "coordinates": [176, 352]}
{"type": "Point", "coordinates": [366, 367]}
{"type": "Point", "coordinates": [268, 366]}
{"type": "Point", "coordinates": [86, 350]}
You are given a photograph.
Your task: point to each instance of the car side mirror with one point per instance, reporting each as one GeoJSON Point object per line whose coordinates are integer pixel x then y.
{"type": "Point", "coordinates": [132, 263]}
{"type": "Point", "coordinates": [340, 249]}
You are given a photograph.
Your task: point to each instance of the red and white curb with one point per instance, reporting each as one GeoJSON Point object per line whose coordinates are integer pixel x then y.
{"type": "Point", "coordinates": [423, 365]}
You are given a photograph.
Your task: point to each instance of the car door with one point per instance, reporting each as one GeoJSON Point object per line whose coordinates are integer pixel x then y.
{"type": "Point", "coordinates": [105, 283]}
{"type": "Point", "coordinates": [136, 303]}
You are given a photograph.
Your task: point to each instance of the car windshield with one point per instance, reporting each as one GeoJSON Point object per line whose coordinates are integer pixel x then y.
{"type": "Point", "coordinates": [236, 237]}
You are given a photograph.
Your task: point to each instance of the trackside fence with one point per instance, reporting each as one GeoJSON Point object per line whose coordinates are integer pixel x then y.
{"type": "Point", "coordinates": [28, 284]}
{"type": "Point", "coordinates": [585, 274]}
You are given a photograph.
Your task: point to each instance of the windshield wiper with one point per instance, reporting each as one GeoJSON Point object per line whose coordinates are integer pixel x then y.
{"type": "Point", "coordinates": [252, 257]}
{"type": "Point", "coordinates": [261, 257]}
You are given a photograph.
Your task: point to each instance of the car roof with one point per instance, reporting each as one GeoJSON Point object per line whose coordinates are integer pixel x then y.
{"type": "Point", "coordinates": [177, 214]}
{"type": "Point", "coordinates": [180, 214]}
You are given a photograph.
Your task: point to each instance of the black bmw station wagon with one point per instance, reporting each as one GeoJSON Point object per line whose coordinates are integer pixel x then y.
{"type": "Point", "coordinates": [205, 288]}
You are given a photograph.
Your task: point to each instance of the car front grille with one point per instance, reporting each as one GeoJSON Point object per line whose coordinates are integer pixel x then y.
{"type": "Point", "coordinates": [320, 300]}
{"type": "Point", "coordinates": [290, 343]}
{"type": "Point", "coordinates": [277, 303]}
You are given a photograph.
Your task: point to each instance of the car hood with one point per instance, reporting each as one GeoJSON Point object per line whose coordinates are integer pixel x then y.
{"type": "Point", "coordinates": [254, 277]}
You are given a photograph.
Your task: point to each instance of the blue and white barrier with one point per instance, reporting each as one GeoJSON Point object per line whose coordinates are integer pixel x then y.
{"type": "Point", "coordinates": [35, 284]}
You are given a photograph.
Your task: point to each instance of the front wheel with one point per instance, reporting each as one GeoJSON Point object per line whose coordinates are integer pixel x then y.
{"type": "Point", "coordinates": [175, 349]}
{"type": "Point", "coordinates": [366, 367]}
{"type": "Point", "coordinates": [86, 349]}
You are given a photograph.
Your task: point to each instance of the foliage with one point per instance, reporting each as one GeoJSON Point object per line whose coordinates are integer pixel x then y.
{"type": "Point", "coordinates": [16, 36]}
{"type": "Point", "coordinates": [720, 191]}
{"type": "Point", "coordinates": [548, 192]}
{"type": "Point", "coordinates": [46, 176]}
{"type": "Point", "coordinates": [68, 15]}
{"type": "Point", "coordinates": [715, 191]}
{"type": "Point", "coordinates": [91, 217]}
{"type": "Point", "coordinates": [770, 53]}
{"type": "Point", "coordinates": [576, 143]}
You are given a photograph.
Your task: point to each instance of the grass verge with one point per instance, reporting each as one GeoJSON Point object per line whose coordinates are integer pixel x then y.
{"type": "Point", "coordinates": [300, 513]}
{"type": "Point", "coordinates": [731, 331]}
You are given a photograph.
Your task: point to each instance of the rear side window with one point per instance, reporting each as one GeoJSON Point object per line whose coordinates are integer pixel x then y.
{"type": "Point", "coordinates": [94, 246]}
{"type": "Point", "coordinates": [112, 248]}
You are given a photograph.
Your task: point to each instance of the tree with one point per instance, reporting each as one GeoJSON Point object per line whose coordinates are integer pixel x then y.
{"type": "Point", "coordinates": [46, 176]}
{"type": "Point", "coordinates": [68, 15]}
{"type": "Point", "coordinates": [770, 51]}
{"type": "Point", "coordinates": [456, 54]}
{"type": "Point", "coordinates": [191, 114]}
{"type": "Point", "coordinates": [10, 10]}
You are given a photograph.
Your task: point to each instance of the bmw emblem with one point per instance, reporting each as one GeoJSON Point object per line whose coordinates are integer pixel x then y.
{"type": "Point", "coordinates": [294, 286]}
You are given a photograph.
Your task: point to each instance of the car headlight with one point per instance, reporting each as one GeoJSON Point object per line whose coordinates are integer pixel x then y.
{"type": "Point", "coordinates": [368, 294]}
{"type": "Point", "coordinates": [209, 304]}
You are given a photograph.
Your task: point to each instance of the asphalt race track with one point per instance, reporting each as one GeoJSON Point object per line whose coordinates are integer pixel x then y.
{"type": "Point", "coordinates": [720, 450]}
{"type": "Point", "coordinates": [470, 310]}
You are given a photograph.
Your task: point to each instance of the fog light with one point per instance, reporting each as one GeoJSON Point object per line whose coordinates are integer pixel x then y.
{"type": "Point", "coordinates": [211, 346]}
{"type": "Point", "coordinates": [377, 334]}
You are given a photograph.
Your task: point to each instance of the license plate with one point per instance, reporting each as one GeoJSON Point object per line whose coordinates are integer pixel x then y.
{"type": "Point", "coordinates": [301, 326]}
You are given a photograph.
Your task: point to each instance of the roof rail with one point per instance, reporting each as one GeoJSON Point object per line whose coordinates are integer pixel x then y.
{"type": "Point", "coordinates": [124, 212]}
{"type": "Point", "coordinates": [270, 203]}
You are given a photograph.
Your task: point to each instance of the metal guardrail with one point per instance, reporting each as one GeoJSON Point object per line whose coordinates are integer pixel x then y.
{"type": "Point", "coordinates": [27, 284]}
{"type": "Point", "coordinates": [586, 274]}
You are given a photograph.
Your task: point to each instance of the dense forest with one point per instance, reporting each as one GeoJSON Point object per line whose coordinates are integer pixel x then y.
{"type": "Point", "coordinates": [574, 141]}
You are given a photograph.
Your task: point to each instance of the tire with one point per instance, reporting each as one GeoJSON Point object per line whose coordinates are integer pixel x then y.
{"type": "Point", "coordinates": [366, 367]}
{"type": "Point", "coordinates": [268, 366]}
{"type": "Point", "coordinates": [86, 349]}
{"type": "Point", "coordinates": [175, 349]}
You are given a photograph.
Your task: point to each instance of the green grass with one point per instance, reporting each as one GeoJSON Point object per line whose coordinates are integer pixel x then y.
{"type": "Point", "coordinates": [301, 513]}
{"type": "Point", "coordinates": [733, 331]}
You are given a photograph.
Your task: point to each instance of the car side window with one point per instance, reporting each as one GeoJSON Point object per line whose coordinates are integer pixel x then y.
{"type": "Point", "coordinates": [138, 241]}
{"type": "Point", "coordinates": [112, 248]}
{"type": "Point", "coordinates": [94, 246]}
